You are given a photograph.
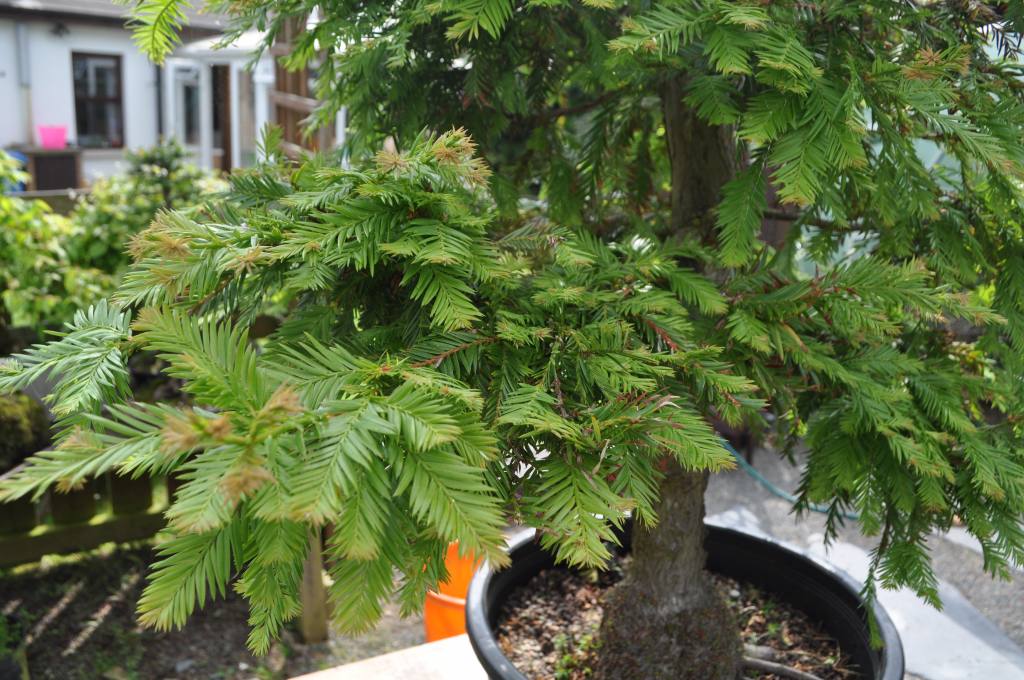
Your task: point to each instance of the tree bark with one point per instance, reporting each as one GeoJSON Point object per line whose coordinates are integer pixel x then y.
{"type": "Point", "coordinates": [665, 619]}
{"type": "Point", "coordinates": [702, 158]}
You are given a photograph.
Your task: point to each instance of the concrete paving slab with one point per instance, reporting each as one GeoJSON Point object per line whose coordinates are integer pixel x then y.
{"type": "Point", "coordinates": [953, 644]}
{"type": "Point", "coordinates": [442, 660]}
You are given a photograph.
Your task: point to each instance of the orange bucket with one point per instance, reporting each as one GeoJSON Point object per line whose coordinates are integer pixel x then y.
{"type": "Point", "coordinates": [444, 613]}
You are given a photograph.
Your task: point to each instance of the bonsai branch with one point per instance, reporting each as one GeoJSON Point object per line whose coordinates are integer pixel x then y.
{"type": "Point", "coordinates": [584, 107]}
{"type": "Point", "coordinates": [210, 296]}
{"type": "Point", "coordinates": [663, 334]}
{"type": "Point", "coordinates": [436, 360]}
{"type": "Point", "coordinates": [791, 216]}
{"type": "Point", "coordinates": [556, 384]}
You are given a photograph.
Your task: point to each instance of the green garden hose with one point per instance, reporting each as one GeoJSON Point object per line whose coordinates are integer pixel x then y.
{"type": "Point", "coordinates": [773, 489]}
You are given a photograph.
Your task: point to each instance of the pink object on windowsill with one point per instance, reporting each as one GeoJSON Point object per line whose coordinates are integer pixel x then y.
{"type": "Point", "coordinates": [53, 136]}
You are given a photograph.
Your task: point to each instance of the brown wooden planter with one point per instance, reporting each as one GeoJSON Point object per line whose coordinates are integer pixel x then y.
{"type": "Point", "coordinates": [27, 534]}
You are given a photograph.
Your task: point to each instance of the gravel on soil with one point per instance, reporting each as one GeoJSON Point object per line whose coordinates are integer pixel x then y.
{"type": "Point", "coordinates": [549, 626]}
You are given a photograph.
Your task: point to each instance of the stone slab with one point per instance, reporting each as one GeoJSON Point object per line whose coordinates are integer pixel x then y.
{"type": "Point", "coordinates": [449, 659]}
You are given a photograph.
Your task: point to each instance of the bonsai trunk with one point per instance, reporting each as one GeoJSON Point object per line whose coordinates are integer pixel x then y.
{"type": "Point", "coordinates": [702, 157]}
{"type": "Point", "coordinates": [665, 620]}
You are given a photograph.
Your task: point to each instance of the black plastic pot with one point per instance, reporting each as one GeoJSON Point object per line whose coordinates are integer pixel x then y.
{"type": "Point", "coordinates": [825, 594]}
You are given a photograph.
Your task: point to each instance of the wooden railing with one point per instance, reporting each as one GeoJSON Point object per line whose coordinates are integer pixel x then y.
{"type": "Point", "coordinates": [107, 509]}
{"type": "Point", "coordinates": [119, 509]}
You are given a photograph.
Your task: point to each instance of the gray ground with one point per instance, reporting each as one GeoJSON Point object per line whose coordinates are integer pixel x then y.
{"type": "Point", "coordinates": [392, 634]}
{"type": "Point", "coordinates": [979, 634]}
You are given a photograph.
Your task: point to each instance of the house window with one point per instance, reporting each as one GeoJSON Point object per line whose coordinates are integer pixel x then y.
{"type": "Point", "coordinates": [190, 93]}
{"type": "Point", "coordinates": [99, 111]}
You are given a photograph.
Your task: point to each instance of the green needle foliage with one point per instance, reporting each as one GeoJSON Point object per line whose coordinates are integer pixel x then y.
{"type": "Point", "coordinates": [432, 378]}
{"type": "Point", "coordinates": [461, 348]}
{"type": "Point", "coordinates": [155, 25]}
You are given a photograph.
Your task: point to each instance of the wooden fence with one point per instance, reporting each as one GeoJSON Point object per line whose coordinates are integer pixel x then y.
{"type": "Point", "coordinates": [111, 508]}
{"type": "Point", "coordinates": [118, 509]}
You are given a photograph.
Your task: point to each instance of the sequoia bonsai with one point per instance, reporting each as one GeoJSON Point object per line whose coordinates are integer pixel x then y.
{"type": "Point", "coordinates": [699, 212]}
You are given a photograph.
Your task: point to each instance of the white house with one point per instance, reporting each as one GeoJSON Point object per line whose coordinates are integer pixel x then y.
{"type": "Point", "coordinates": [72, 63]}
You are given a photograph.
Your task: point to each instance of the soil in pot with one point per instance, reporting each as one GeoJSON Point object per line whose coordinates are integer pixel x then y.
{"type": "Point", "coordinates": [549, 626]}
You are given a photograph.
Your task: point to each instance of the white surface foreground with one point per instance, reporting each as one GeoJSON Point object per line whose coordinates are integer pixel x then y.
{"type": "Point", "coordinates": [449, 659]}
{"type": "Point", "coordinates": [957, 643]}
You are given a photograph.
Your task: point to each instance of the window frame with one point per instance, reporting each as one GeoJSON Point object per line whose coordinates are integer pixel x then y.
{"type": "Point", "coordinates": [118, 99]}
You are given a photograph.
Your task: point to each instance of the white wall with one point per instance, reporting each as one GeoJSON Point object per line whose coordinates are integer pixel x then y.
{"type": "Point", "coordinates": [53, 100]}
{"type": "Point", "coordinates": [12, 127]}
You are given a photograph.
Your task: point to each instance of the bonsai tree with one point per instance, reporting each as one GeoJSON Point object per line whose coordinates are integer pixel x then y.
{"type": "Point", "coordinates": [699, 210]}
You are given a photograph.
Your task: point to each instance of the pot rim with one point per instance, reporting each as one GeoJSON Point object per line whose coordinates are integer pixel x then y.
{"type": "Point", "coordinates": [485, 644]}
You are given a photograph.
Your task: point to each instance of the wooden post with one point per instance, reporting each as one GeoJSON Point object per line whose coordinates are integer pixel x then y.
{"type": "Point", "coordinates": [75, 506]}
{"type": "Point", "coordinates": [313, 624]}
{"type": "Point", "coordinates": [128, 495]}
{"type": "Point", "coordinates": [17, 516]}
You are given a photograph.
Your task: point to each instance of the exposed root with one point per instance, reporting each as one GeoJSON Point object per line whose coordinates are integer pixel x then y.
{"type": "Point", "coordinates": [777, 669]}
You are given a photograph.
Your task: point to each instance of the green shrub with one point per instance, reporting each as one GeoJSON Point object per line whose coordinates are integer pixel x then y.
{"type": "Point", "coordinates": [39, 286]}
{"type": "Point", "coordinates": [120, 206]}
{"type": "Point", "coordinates": [439, 371]}
{"type": "Point", "coordinates": [51, 266]}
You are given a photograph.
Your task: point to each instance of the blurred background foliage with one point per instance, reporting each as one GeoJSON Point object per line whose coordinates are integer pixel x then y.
{"type": "Point", "coordinates": [52, 265]}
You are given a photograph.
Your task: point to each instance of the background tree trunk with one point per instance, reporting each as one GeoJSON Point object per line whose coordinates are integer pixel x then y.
{"type": "Point", "coordinates": [702, 158]}
{"type": "Point", "coordinates": [665, 620]}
